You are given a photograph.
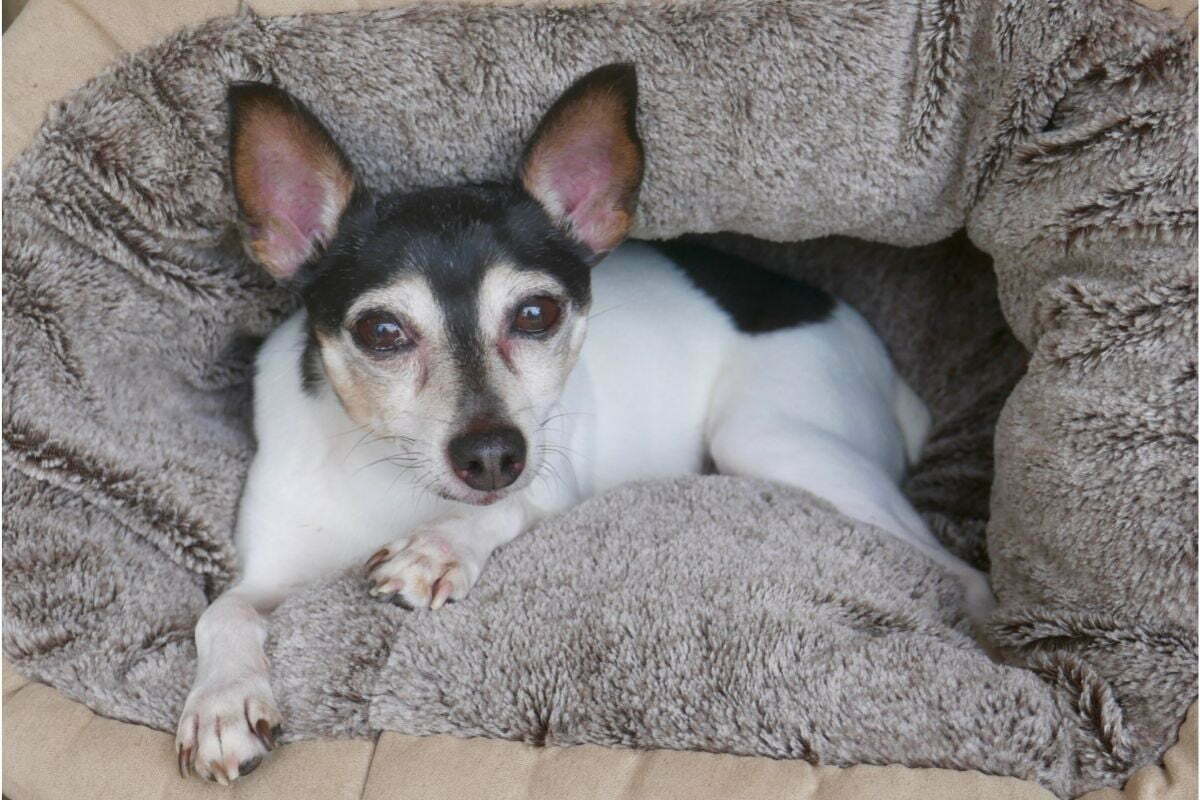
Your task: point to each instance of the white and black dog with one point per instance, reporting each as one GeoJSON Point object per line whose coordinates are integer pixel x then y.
{"type": "Point", "coordinates": [436, 395]}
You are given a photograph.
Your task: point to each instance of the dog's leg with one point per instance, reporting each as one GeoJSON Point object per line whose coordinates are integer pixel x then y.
{"type": "Point", "coordinates": [230, 718]}
{"type": "Point", "coordinates": [440, 561]}
{"type": "Point", "coordinates": [759, 445]}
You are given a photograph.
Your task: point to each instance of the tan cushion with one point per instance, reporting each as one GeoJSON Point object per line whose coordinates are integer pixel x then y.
{"type": "Point", "coordinates": [56, 749]}
{"type": "Point", "coordinates": [1175, 778]}
{"type": "Point", "coordinates": [11, 9]}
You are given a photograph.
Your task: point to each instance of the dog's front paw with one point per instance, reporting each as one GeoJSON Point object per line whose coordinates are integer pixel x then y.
{"type": "Point", "coordinates": [226, 729]}
{"type": "Point", "coordinates": [426, 571]}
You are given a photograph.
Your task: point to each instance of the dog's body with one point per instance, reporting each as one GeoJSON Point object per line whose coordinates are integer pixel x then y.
{"type": "Point", "coordinates": [643, 401]}
{"type": "Point", "coordinates": [437, 395]}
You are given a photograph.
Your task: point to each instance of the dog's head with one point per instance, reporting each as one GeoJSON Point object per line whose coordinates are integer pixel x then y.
{"type": "Point", "coordinates": [446, 320]}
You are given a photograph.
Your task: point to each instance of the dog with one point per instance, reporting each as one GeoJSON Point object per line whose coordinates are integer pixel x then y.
{"type": "Point", "coordinates": [435, 395]}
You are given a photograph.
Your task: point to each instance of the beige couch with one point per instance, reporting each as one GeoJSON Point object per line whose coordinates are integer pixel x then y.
{"type": "Point", "coordinates": [55, 748]}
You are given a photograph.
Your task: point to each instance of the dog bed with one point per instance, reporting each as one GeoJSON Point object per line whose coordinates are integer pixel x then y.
{"type": "Point", "coordinates": [703, 613]}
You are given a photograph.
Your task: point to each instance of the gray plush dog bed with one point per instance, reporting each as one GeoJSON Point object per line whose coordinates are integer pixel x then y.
{"type": "Point", "coordinates": [702, 613]}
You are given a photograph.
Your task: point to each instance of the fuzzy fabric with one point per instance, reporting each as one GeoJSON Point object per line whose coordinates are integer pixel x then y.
{"type": "Point", "coordinates": [706, 612]}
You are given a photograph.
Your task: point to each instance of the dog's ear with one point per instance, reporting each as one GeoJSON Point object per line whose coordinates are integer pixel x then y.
{"type": "Point", "coordinates": [584, 162]}
{"type": "Point", "coordinates": [291, 180]}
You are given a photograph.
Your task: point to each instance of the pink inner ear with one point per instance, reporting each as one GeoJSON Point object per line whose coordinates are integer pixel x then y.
{"type": "Point", "coordinates": [293, 188]}
{"type": "Point", "coordinates": [297, 200]}
{"type": "Point", "coordinates": [580, 172]}
{"type": "Point", "coordinates": [582, 178]}
{"type": "Point", "coordinates": [293, 194]}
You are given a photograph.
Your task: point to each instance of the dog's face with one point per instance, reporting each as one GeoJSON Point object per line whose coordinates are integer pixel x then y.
{"type": "Point", "coordinates": [446, 320]}
{"type": "Point", "coordinates": [450, 319]}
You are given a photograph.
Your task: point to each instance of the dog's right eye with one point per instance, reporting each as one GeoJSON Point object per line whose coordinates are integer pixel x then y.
{"type": "Point", "coordinates": [380, 332]}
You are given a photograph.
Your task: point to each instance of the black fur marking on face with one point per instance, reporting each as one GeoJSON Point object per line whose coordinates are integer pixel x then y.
{"type": "Point", "coordinates": [451, 237]}
{"type": "Point", "coordinates": [312, 371]}
{"type": "Point", "coordinates": [758, 300]}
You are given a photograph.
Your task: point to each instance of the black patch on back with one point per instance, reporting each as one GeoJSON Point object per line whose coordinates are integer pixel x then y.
{"type": "Point", "coordinates": [757, 299]}
{"type": "Point", "coordinates": [450, 236]}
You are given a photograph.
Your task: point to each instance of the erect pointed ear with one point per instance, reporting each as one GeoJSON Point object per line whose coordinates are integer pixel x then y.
{"type": "Point", "coordinates": [584, 162]}
{"type": "Point", "coordinates": [291, 180]}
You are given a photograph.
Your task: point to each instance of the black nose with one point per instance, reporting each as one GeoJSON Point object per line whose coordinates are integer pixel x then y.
{"type": "Point", "coordinates": [489, 459]}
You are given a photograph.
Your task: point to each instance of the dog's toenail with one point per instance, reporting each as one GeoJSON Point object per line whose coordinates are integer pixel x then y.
{"type": "Point", "coordinates": [262, 729]}
{"type": "Point", "coordinates": [249, 765]}
{"type": "Point", "coordinates": [398, 600]}
{"type": "Point", "coordinates": [377, 559]}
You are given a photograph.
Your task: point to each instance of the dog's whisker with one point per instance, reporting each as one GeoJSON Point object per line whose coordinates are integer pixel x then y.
{"type": "Point", "coordinates": [366, 435]}
{"type": "Point", "coordinates": [348, 431]}
{"type": "Point", "coordinates": [591, 316]}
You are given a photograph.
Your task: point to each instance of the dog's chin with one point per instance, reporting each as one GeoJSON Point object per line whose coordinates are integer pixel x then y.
{"type": "Point", "coordinates": [472, 497]}
{"type": "Point", "coordinates": [461, 493]}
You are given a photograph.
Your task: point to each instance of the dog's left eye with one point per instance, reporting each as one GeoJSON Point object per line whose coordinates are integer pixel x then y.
{"type": "Point", "coordinates": [536, 315]}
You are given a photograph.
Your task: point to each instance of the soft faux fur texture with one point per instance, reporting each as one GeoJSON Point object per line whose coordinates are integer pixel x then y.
{"type": "Point", "coordinates": [706, 612]}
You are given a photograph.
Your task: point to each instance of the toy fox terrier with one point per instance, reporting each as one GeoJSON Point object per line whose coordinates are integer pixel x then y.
{"type": "Point", "coordinates": [436, 395]}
